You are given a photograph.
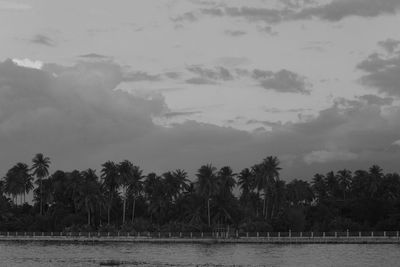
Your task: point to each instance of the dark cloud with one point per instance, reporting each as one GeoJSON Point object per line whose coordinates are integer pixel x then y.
{"type": "Point", "coordinates": [339, 9]}
{"type": "Point", "coordinates": [172, 75]}
{"type": "Point", "coordinates": [282, 81]}
{"type": "Point", "coordinates": [173, 114]}
{"type": "Point", "coordinates": [335, 10]}
{"type": "Point", "coordinates": [200, 80]}
{"type": "Point", "coordinates": [377, 100]}
{"type": "Point", "coordinates": [390, 45]}
{"type": "Point", "coordinates": [42, 40]}
{"type": "Point", "coordinates": [206, 75]}
{"type": "Point", "coordinates": [93, 56]}
{"type": "Point", "coordinates": [235, 32]}
{"type": "Point", "coordinates": [140, 76]}
{"type": "Point", "coordinates": [78, 117]}
{"type": "Point", "coordinates": [382, 73]}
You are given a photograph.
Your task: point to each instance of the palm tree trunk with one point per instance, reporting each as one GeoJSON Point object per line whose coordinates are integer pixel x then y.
{"type": "Point", "coordinates": [208, 209]}
{"type": "Point", "coordinates": [123, 211]}
{"type": "Point", "coordinates": [41, 198]}
{"type": "Point", "coordinates": [133, 209]}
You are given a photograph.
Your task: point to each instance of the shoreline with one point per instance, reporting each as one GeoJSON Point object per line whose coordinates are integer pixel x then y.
{"type": "Point", "coordinates": [241, 240]}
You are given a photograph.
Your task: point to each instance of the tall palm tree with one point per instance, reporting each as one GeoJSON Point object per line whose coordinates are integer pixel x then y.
{"type": "Point", "coordinates": [344, 180]}
{"type": "Point", "coordinates": [207, 185]}
{"type": "Point", "coordinates": [125, 169]}
{"type": "Point", "coordinates": [226, 180]}
{"type": "Point", "coordinates": [181, 181]}
{"type": "Point", "coordinates": [267, 173]}
{"type": "Point", "coordinates": [18, 181]}
{"type": "Point", "coordinates": [135, 186]}
{"type": "Point", "coordinates": [246, 183]}
{"type": "Point", "coordinates": [40, 169]}
{"type": "Point", "coordinates": [319, 187]}
{"type": "Point", "coordinates": [89, 192]}
{"type": "Point", "coordinates": [110, 176]}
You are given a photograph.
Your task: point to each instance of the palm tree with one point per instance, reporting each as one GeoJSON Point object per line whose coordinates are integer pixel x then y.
{"type": "Point", "coordinates": [319, 187]}
{"type": "Point", "coordinates": [89, 192]}
{"type": "Point", "coordinates": [126, 174]}
{"type": "Point", "coordinates": [135, 186]}
{"type": "Point", "coordinates": [267, 173]}
{"type": "Point", "coordinates": [40, 169]}
{"type": "Point", "coordinates": [18, 181]}
{"type": "Point", "coordinates": [181, 181]}
{"type": "Point", "coordinates": [207, 185]}
{"type": "Point", "coordinates": [246, 183]}
{"type": "Point", "coordinates": [110, 176]}
{"type": "Point", "coordinates": [226, 180]}
{"type": "Point", "coordinates": [344, 180]}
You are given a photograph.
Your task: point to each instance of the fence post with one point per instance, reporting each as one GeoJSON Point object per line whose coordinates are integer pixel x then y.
{"type": "Point", "coordinates": [312, 234]}
{"type": "Point", "coordinates": [323, 234]}
{"type": "Point", "coordinates": [335, 234]}
{"type": "Point", "coordinates": [347, 233]}
{"type": "Point", "coordinates": [191, 235]}
{"type": "Point", "coordinates": [268, 235]}
{"type": "Point", "coordinates": [247, 234]}
{"type": "Point", "coordinates": [384, 233]}
{"type": "Point", "coordinates": [372, 234]}
{"type": "Point", "coordinates": [301, 234]}
{"type": "Point", "coordinates": [279, 234]}
{"type": "Point", "coordinates": [257, 234]}
{"type": "Point", "coordinates": [290, 233]}
{"type": "Point", "coordinates": [237, 234]}
{"type": "Point", "coordinates": [169, 234]}
{"type": "Point", "coordinates": [42, 233]}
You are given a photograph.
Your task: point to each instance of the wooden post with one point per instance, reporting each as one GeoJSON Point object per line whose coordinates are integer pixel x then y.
{"type": "Point", "coordinates": [237, 234]}
{"type": "Point", "coordinates": [359, 234]}
{"type": "Point", "coordinates": [268, 235]}
{"type": "Point", "coordinates": [301, 234]}
{"type": "Point", "coordinates": [312, 234]}
{"type": "Point", "coordinates": [169, 234]}
{"type": "Point", "coordinates": [290, 233]}
{"type": "Point", "coordinates": [372, 234]}
{"type": "Point", "coordinates": [323, 234]}
{"type": "Point", "coordinates": [257, 234]}
{"type": "Point", "coordinates": [384, 233]}
{"type": "Point", "coordinates": [247, 234]}
{"type": "Point", "coordinates": [335, 234]}
{"type": "Point", "coordinates": [191, 235]}
{"type": "Point", "coordinates": [347, 233]}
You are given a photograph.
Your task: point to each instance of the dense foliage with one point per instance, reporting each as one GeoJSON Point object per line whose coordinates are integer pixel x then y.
{"type": "Point", "coordinates": [122, 197]}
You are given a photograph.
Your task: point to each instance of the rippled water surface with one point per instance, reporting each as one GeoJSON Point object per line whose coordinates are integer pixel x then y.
{"type": "Point", "coordinates": [143, 254]}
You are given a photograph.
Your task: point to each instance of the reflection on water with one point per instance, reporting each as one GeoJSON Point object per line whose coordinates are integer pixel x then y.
{"type": "Point", "coordinates": [144, 254]}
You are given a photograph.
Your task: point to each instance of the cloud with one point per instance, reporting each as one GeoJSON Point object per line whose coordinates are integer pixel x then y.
{"type": "Point", "coordinates": [235, 33]}
{"type": "Point", "coordinates": [290, 10]}
{"type": "Point", "coordinates": [12, 6]}
{"type": "Point", "coordinates": [337, 10]}
{"type": "Point", "coordinates": [396, 143]}
{"type": "Point", "coordinates": [382, 73]}
{"type": "Point", "coordinates": [42, 40]}
{"type": "Point", "coordinates": [140, 76]}
{"type": "Point", "coordinates": [93, 56]}
{"type": "Point", "coordinates": [376, 100]}
{"type": "Point", "coordinates": [209, 76]}
{"type": "Point", "coordinates": [173, 114]}
{"type": "Point", "coordinates": [200, 80]}
{"type": "Point", "coordinates": [389, 45]}
{"type": "Point", "coordinates": [323, 156]}
{"type": "Point", "coordinates": [283, 81]}
{"type": "Point", "coordinates": [80, 119]}
{"type": "Point", "coordinates": [26, 62]}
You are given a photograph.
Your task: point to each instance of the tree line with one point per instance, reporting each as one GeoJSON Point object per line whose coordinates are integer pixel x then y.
{"type": "Point", "coordinates": [121, 197]}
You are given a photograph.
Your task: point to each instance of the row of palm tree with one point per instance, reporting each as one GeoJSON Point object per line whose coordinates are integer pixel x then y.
{"type": "Point", "coordinates": [255, 197]}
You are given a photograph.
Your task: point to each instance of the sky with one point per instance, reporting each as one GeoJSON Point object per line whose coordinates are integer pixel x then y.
{"type": "Point", "coordinates": [178, 84]}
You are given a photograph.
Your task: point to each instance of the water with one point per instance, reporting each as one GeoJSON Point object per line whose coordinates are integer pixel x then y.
{"type": "Point", "coordinates": [145, 254]}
